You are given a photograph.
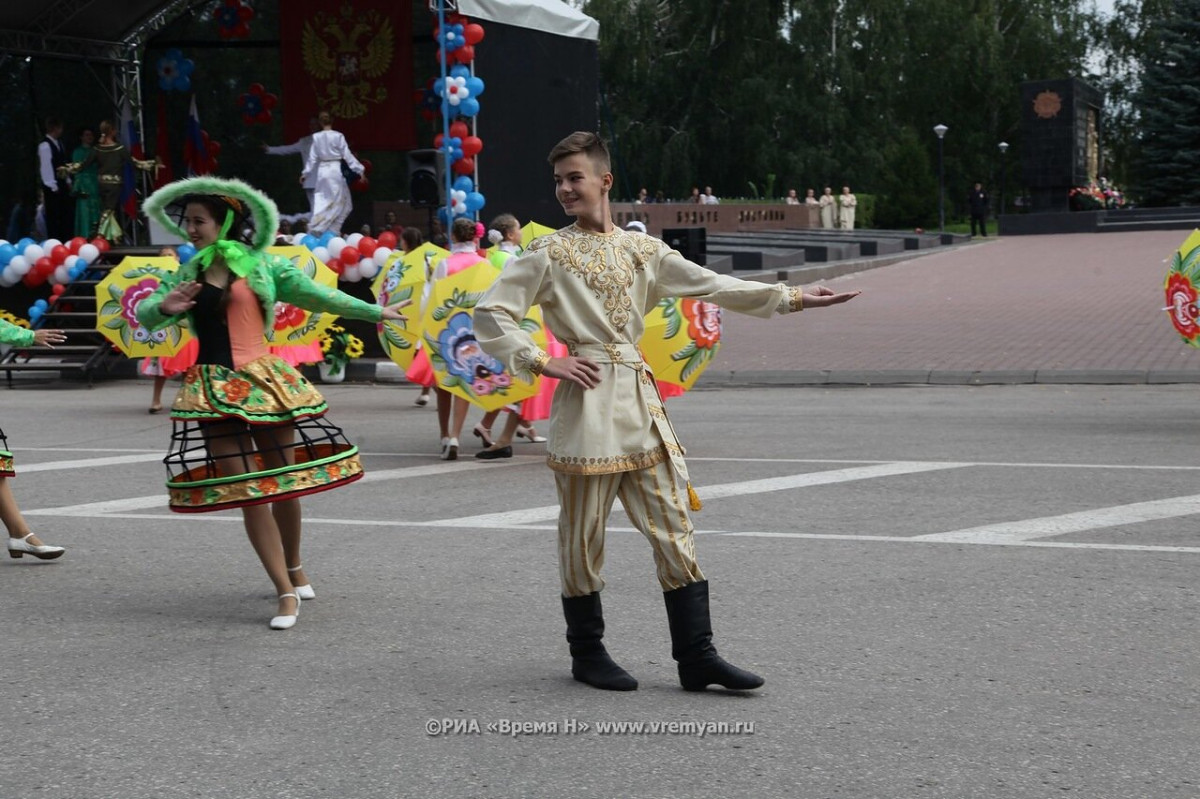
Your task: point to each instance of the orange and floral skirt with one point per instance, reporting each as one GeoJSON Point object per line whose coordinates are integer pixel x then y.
{"type": "Point", "coordinates": [252, 435]}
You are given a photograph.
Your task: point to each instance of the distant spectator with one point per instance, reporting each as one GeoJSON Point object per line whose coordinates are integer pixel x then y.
{"type": "Point", "coordinates": [709, 197]}
{"type": "Point", "coordinates": [696, 197]}
{"type": "Point", "coordinates": [977, 201]}
{"type": "Point", "coordinates": [642, 197]}
{"type": "Point", "coordinates": [792, 199]}
{"type": "Point", "coordinates": [810, 198]}
{"type": "Point", "coordinates": [847, 203]}
{"type": "Point", "coordinates": [660, 197]}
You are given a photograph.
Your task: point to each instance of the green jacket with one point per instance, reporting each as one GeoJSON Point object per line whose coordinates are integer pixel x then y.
{"type": "Point", "coordinates": [274, 279]}
{"type": "Point", "coordinates": [15, 335]}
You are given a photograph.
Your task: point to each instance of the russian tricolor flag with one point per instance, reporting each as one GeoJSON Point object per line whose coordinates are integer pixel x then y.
{"type": "Point", "coordinates": [133, 141]}
{"type": "Point", "coordinates": [195, 153]}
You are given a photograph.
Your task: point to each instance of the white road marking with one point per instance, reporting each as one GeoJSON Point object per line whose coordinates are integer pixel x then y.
{"type": "Point", "coordinates": [87, 463]}
{"type": "Point", "coordinates": [1015, 542]}
{"type": "Point", "coordinates": [548, 512]}
{"type": "Point", "coordinates": [1050, 526]}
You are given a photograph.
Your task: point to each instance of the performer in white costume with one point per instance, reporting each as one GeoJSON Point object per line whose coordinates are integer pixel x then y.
{"type": "Point", "coordinates": [847, 203]}
{"type": "Point", "coordinates": [301, 147]}
{"type": "Point", "coordinates": [331, 199]}
{"type": "Point", "coordinates": [827, 202]}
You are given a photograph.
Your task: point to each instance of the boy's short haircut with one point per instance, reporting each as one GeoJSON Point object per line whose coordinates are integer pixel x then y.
{"type": "Point", "coordinates": [586, 142]}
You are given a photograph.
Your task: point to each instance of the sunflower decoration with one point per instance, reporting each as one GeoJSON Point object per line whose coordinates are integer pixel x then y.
{"type": "Point", "coordinates": [340, 347]}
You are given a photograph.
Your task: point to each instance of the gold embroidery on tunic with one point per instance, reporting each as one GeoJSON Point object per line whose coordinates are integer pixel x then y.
{"type": "Point", "coordinates": [606, 465]}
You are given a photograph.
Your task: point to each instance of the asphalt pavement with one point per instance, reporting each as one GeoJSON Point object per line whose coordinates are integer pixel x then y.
{"type": "Point", "coordinates": [951, 590]}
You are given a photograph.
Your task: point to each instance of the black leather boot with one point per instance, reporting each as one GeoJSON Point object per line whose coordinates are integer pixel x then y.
{"type": "Point", "coordinates": [590, 662]}
{"type": "Point", "coordinates": [691, 643]}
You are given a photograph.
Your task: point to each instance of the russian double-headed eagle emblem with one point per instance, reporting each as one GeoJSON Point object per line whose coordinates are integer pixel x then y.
{"type": "Point", "coordinates": [345, 55]}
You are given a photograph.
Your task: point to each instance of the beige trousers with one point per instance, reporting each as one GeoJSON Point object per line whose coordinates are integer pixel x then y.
{"type": "Point", "coordinates": [653, 503]}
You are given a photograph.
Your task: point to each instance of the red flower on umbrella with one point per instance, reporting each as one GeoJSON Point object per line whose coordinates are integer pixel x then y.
{"type": "Point", "coordinates": [133, 296]}
{"type": "Point", "coordinates": [704, 322]}
{"type": "Point", "coordinates": [287, 315]}
{"type": "Point", "coordinates": [1181, 297]}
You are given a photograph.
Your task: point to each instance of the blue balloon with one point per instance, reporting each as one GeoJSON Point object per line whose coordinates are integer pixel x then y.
{"type": "Point", "coordinates": [41, 304]}
{"type": "Point", "coordinates": [7, 253]}
{"type": "Point", "coordinates": [326, 237]}
{"type": "Point", "coordinates": [459, 71]}
{"type": "Point", "coordinates": [475, 86]}
{"type": "Point", "coordinates": [463, 183]}
{"type": "Point", "coordinates": [23, 243]}
{"type": "Point", "coordinates": [475, 201]}
{"type": "Point", "coordinates": [468, 107]}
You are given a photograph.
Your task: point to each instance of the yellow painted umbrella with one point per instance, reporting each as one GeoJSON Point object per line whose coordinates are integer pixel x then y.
{"type": "Point", "coordinates": [403, 277]}
{"type": "Point", "coordinates": [681, 338]}
{"type": "Point", "coordinates": [295, 326]}
{"type": "Point", "coordinates": [531, 231]}
{"type": "Point", "coordinates": [459, 364]}
{"type": "Point", "coordinates": [117, 299]}
{"type": "Point", "coordinates": [1183, 289]}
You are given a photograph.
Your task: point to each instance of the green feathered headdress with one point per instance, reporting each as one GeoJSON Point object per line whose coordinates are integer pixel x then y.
{"type": "Point", "coordinates": [254, 221]}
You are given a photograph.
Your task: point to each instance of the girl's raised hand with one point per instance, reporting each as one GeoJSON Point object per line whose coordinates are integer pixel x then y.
{"type": "Point", "coordinates": [181, 298]}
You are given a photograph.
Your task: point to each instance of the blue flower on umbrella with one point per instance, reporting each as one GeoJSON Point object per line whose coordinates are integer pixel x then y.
{"type": "Point", "coordinates": [466, 360]}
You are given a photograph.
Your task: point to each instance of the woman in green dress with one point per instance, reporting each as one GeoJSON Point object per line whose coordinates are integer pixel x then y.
{"type": "Point", "coordinates": [86, 188]}
{"type": "Point", "coordinates": [110, 157]}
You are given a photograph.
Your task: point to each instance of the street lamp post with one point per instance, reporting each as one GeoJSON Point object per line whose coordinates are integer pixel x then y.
{"type": "Point", "coordinates": [1003, 170]}
{"type": "Point", "coordinates": [940, 130]}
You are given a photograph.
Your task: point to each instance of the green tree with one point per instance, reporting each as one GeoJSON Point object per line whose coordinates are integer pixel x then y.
{"type": "Point", "coordinates": [1168, 103]}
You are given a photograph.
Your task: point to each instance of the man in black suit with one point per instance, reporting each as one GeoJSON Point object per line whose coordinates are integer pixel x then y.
{"type": "Point", "coordinates": [977, 200]}
{"type": "Point", "coordinates": [60, 210]}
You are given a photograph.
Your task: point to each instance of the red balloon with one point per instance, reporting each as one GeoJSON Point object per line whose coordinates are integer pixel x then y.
{"type": "Point", "coordinates": [59, 254]}
{"type": "Point", "coordinates": [101, 244]}
{"type": "Point", "coordinates": [336, 265]}
{"type": "Point", "coordinates": [75, 243]}
{"type": "Point", "coordinates": [350, 256]}
{"type": "Point", "coordinates": [59, 288]}
{"type": "Point", "coordinates": [472, 146]}
{"type": "Point", "coordinates": [473, 33]}
{"type": "Point", "coordinates": [437, 141]}
{"type": "Point", "coordinates": [33, 278]}
{"type": "Point", "coordinates": [459, 130]}
{"type": "Point", "coordinates": [43, 265]}
{"type": "Point", "coordinates": [464, 166]}
{"type": "Point", "coordinates": [366, 166]}
{"type": "Point", "coordinates": [367, 246]}
{"type": "Point", "coordinates": [463, 55]}
{"type": "Point", "coordinates": [362, 184]}
{"type": "Point", "coordinates": [387, 239]}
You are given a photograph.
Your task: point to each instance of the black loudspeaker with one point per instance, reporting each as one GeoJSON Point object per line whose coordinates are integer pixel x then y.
{"type": "Point", "coordinates": [692, 242]}
{"type": "Point", "coordinates": [425, 178]}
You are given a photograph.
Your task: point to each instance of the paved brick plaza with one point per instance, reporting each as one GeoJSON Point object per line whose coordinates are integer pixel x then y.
{"type": "Point", "coordinates": [1087, 304]}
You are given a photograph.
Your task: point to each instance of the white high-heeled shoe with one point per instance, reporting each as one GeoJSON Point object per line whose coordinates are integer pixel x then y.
{"type": "Point", "coordinates": [303, 591]}
{"type": "Point", "coordinates": [449, 449]}
{"type": "Point", "coordinates": [530, 433]}
{"type": "Point", "coordinates": [17, 547]}
{"type": "Point", "coordinates": [483, 434]}
{"type": "Point", "coordinates": [286, 622]}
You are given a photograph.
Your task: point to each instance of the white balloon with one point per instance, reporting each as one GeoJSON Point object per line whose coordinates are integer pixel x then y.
{"type": "Point", "coordinates": [8, 277]}
{"type": "Point", "coordinates": [321, 254]}
{"type": "Point", "coordinates": [89, 253]}
{"type": "Point", "coordinates": [62, 274]}
{"type": "Point", "coordinates": [50, 244]}
{"type": "Point", "coordinates": [33, 252]}
{"type": "Point", "coordinates": [381, 255]}
{"type": "Point", "coordinates": [353, 239]}
{"type": "Point", "coordinates": [20, 265]}
{"type": "Point", "coordinates": [351, 274]}
{"type": "Point", "coordinates": [69, 261]}
{"type": "Point", "coordinates": [335, 246]}
{"type": "Point", "coordinates": [368, 268]}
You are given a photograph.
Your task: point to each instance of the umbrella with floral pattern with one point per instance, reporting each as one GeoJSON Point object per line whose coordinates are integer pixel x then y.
{"type": "Point", "coordinates": [1182, 285]}
{"type": "Point", "coordinates": [296, 326]}
{"type": "Point", "coordinates": [117, 298]}
{"type": "Point", "coordinates": [403, 277]}
{"type": "Point", "coordinates": [681, 338]}
{"type": "Point", "coordinates": [459, 363]}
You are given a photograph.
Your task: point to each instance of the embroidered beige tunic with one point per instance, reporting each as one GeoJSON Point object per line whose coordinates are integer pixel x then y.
{"type": "Point", "coordinates": [594, 290]}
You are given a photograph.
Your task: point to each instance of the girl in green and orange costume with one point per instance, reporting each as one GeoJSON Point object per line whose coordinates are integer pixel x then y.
{"type": "Point", "coordinates": [21, 541]}
{"type": "Point", "coordinates": [249, 431]}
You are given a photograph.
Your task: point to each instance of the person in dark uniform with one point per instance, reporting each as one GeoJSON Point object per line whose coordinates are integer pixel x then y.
{"type": "Point", "coordinates": [977, 201]}
{"type": "Point", "coordinates": [56, 186]}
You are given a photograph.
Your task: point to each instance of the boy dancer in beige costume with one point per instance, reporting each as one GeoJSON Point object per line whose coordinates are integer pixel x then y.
{"type": "Point", "coordinates": [609, 432]}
